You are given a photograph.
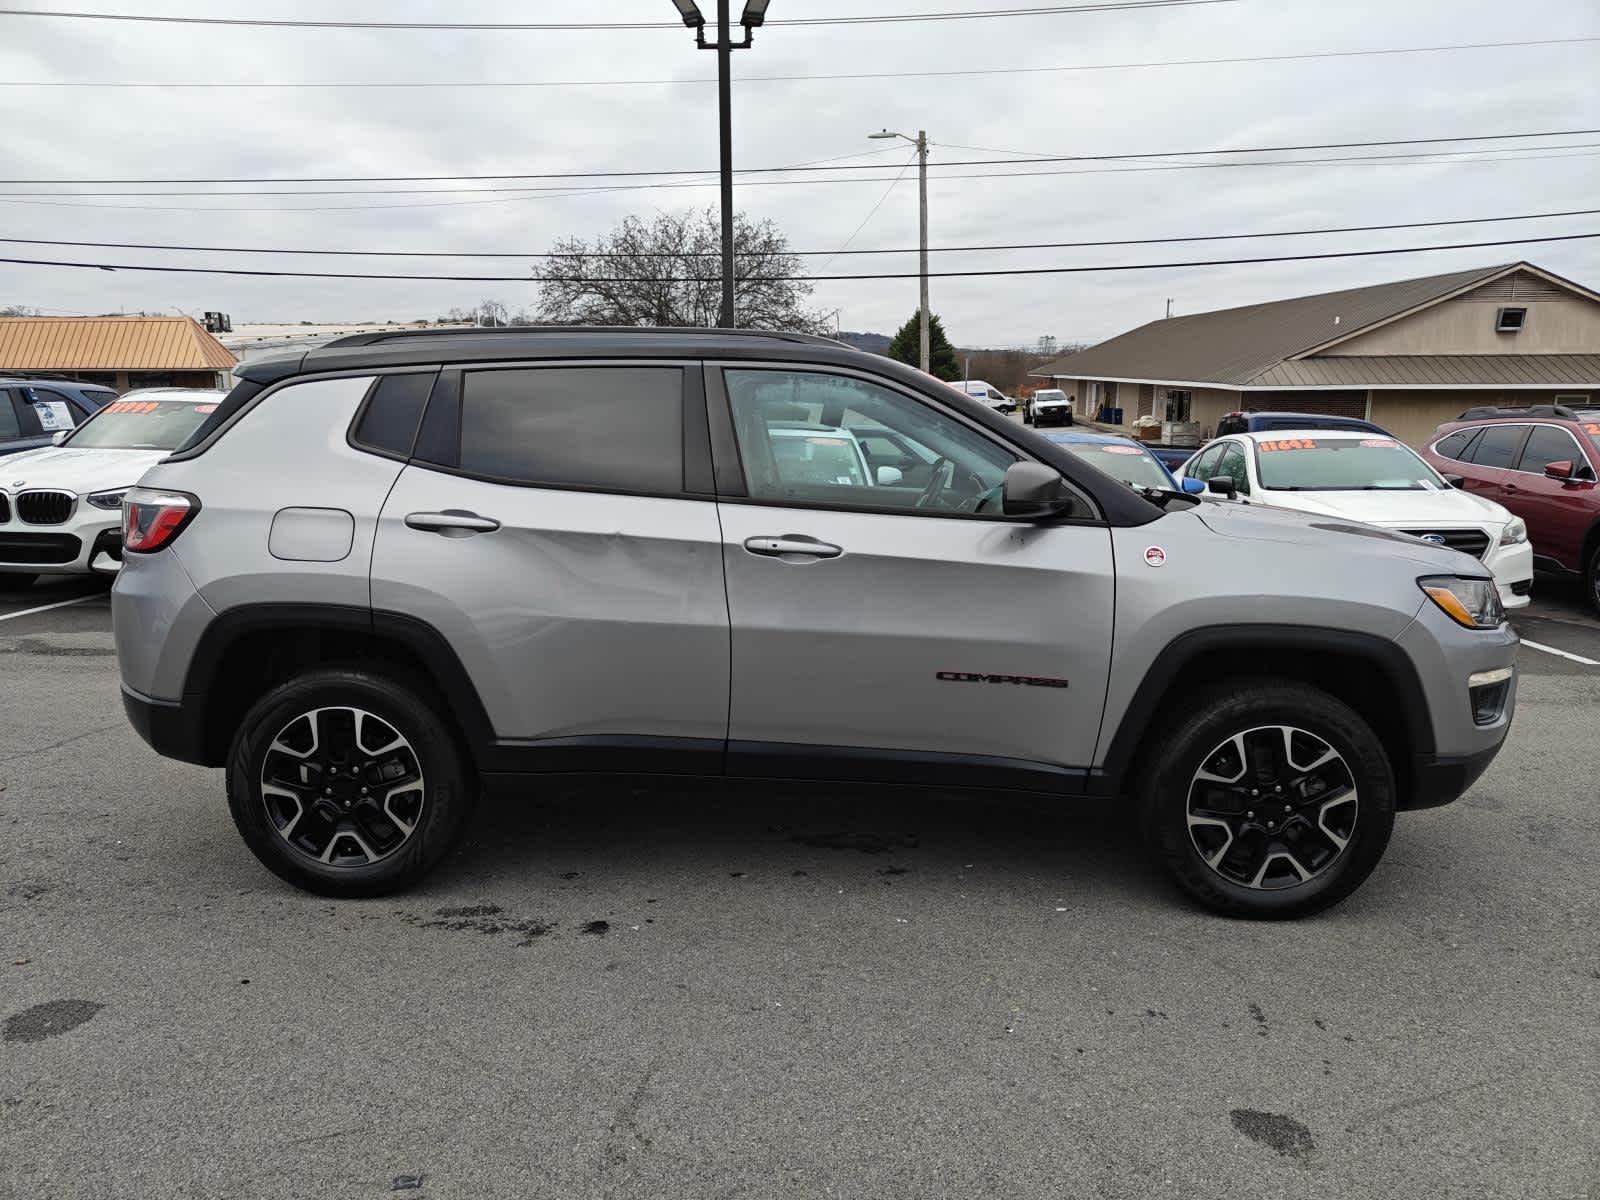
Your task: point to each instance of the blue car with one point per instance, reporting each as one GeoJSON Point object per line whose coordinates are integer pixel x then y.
{"type": "Point", "coordinates": [33, 411]}
{"type": "Point", "coordinates": [1122, 458]}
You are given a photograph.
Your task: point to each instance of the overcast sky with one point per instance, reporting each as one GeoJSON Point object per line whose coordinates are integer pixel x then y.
{"type": "Point", "coordinates": [79, 133]}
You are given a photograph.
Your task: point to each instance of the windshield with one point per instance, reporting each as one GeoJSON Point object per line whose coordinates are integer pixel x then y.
{"type": "Point", "coordinates": [141, 425]}
{"type": "Point", "coordinates": [1375, 464]}
{"type": "Point", "coordinates": [1127, 464]}
{"type": "Point", "coordinates": [817, 458]}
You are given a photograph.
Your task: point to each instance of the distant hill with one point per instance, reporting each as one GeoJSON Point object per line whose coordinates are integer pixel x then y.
{"type": "Point", "coordinates": [872, 343]}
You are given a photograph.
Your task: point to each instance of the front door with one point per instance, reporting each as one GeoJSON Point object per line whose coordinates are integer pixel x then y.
{"type": "Point", "coordinates": [877, 615]}
{"type": "Point", "coordinates": [557, 545]}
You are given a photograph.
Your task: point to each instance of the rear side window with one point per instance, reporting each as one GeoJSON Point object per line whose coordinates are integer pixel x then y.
{"type": "Point", "coordinates": [1498, 446]}
{"type": "Point", "coordinates": [388, 424]}
{"type": "Point", "coordinates": [611, 428]}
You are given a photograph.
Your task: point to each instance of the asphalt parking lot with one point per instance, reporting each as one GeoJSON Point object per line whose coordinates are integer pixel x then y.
{"type": "Point", "coordinates": [714, 991]}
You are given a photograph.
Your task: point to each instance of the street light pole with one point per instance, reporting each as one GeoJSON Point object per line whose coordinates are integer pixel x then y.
{"type": "Point", "coordinates": [921, 143]}
{"type": "Point", "coordinates": [753, 17]}
{"type": "Point", "coordinates": [725, 112]}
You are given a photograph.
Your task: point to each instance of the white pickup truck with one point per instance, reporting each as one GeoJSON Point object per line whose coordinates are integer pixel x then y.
{"type": "Point", "coordinates": [987, 393]}
{"type": "Point", "coordinates": [1049, 406]}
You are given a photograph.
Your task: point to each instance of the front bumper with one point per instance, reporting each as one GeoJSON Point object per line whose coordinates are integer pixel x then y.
{"type": "Point", "coordinates": [1052, 416]}
{"type": "Point", "coordinates": [1512, 567]}
{"type": "Point", "coordinates": [1442, 779]}
{"type": "Point", "coordinates": [89, 543]}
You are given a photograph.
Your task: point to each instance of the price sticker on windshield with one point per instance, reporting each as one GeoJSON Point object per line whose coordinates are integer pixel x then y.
{"type": "Point", "coordinates": [1290, 444]}
{"type": "Point", "coordinates": [1377, 443]}
{"type": "Point", "coordinates": [1134, 450]}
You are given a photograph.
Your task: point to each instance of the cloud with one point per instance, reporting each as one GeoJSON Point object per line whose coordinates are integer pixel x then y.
{"type": "Point", "coordinates": [163, 133]}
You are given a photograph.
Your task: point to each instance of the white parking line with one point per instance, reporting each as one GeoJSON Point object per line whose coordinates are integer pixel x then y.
{"type": "Point", "coordinates": [28, 612]}
{"type": "Point", "coordinates": [1577, 658]}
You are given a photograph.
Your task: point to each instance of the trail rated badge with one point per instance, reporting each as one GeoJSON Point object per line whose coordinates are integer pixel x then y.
{"type": "Point", "coordinates": [1155, 556]}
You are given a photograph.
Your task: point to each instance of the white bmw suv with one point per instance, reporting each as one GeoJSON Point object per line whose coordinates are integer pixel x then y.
{"type": "Point", "coordinates": [61, 505]}
{"type": "Point", "coordinates": [1374, 479]}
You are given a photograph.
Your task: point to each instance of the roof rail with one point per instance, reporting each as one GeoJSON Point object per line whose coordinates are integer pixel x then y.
{"type": "Point", "coordinates": [399, 335]}
{"type": "Point", "coordinates": [1488, 412]}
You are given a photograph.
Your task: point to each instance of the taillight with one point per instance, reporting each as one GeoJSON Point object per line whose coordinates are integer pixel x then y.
{"type": "Point", "coordinates": [152, 517]}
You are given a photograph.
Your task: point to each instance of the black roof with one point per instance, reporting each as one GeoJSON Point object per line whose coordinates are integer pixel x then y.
{"type": "Point", "coordinates": [443, 346]}
{"type": "Point", "coordinates": [446, 347]}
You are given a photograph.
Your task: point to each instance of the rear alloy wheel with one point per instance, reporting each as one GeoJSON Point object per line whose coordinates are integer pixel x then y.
{"type": "Point", "coordinates": [347, 783]}
{"type": "Point", "coordinates": [1271, 799]}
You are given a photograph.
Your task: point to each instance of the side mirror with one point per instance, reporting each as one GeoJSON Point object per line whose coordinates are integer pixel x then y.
{"type": "Point", "coordinates": [1456, 481]}
{"type": "Point", "coordinates": [59, 436]}
{"type": "Point", "coordinates": [1034, 490]}
{"type": "Point", "coordinates": [889, 476]}
{"type": "Point", "coordinates": [1222, 485]}
{"type": "Point", "coordinates": [1193, 486]}
{"type": "Point", "coordinates": [1560, 469]}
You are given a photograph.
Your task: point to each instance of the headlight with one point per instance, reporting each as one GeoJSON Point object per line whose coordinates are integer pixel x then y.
{"type": "Point", "coordinates": [1516, 531]}
{"type": "Point", "coordinates": [111, 500]}
{"type": "Point", "coordinates": [1474, 603]}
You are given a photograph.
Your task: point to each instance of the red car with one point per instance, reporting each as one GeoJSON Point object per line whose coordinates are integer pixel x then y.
{"type": "Point", "coordinates": [1543, 463]}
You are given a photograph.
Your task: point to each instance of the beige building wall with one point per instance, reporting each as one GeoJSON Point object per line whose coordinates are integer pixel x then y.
{"type": "Point", "coordinates": [1567, 325]}
{"type": "Point", "coordinates": [1413, 416]}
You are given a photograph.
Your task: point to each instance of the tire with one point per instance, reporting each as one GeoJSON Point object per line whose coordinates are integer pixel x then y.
{"type": "Point", "coordinates": [362, 834]}
{"type": "Point", "coordinates": [1591, 579]}
{"type": "Point", "coordinates": [10, 582]}
{"type": "Point", "coordinates": [1189, 800]}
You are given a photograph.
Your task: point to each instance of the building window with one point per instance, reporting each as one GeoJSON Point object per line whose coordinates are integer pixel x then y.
{"type": "Point", "coordinates": [1510, 320]}
{"type": "Point", "coordinates": [1179, 403]}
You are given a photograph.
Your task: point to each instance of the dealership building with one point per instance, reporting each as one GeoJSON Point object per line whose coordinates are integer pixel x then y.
{"type": "Point", "coordinates": [120, 352]}
{"type": "Point", "coordinates": [1408, 355]}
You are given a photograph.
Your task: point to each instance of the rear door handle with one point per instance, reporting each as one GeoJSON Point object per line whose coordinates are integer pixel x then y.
{"type": "Point", "coordinates": [791, 543]}
{"type": "Point", "coordinates": [452, 522]}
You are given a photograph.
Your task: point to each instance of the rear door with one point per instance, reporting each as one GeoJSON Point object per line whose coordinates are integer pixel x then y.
{"type": "Point", "coordinates": [912, 628]}
{"type": "Point", "coordinates": [1490, 466]}
{"type": "Point", "coordinates": [19, 424]}
{"type": "Point", "coordinates": [557, 526]}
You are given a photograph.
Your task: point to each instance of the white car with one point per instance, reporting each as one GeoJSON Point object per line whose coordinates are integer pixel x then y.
{"type": "Point", "coordinates": [1050, 406]}
{"type": "Point", "coordinates": [987, 393]}
{"type": "Point", "coordinates": [61, 505]}
{"type": "Point", "coordinates": [1376, 480]}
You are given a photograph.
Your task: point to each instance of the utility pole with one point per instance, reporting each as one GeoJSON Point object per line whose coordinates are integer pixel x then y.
{"type": "Point", "coordinates": [924, 320]}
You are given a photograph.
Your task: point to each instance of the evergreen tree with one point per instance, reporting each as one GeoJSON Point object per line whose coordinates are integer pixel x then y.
{"type": "Point", "coordinates": [906, 345]}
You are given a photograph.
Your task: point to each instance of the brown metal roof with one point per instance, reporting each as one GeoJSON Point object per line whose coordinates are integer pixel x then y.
{"type": "Point", "coordinates": [1434, 370]}
{"type": "Point", "coordinates": [1235, 345]}
{"type": "Point", "coordinates": [110, 344]}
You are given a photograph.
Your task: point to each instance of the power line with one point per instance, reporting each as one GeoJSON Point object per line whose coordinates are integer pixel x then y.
{"type": "Point", "coordinates": [572, 27]}
{"type": "Point", "coordinates": [1578, 150]}
{"type": "Point", "coordinates": [1213, 262]}
{"type": "Point", "coordinates": [830, 78]}
{"type": "Point", "coordinates": [1032, 159]}
{"type": "Point", "coordinates": [830, 254]}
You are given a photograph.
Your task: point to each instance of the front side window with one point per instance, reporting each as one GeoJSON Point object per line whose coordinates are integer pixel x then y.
{"type": "Point", "coordinates": [1205, 464]}
{"type": "Point", "coordinates": [1548, 444]}
{"type": "Point", "coordinates": [613, 428]}
{"type": "Point", "coordinates": [1372, 464]}
{"type": "Point", "coordinates": [1233, 467]}
{"type": "Point", "coordinates": [801, 434]}
{"type": "Point", "coordinates": [141, 425]}
{"type": "Point", "coordinates": [1498, 446]}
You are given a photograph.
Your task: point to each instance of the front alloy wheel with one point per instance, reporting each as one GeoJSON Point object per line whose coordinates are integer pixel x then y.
{"type": "Point", "coordinates": [1272, 807]}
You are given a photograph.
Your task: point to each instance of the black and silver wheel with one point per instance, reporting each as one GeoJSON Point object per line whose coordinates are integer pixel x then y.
{"type": "Point", "coordinates": [347, 783]}
{"type": "Point", "coordinates": [1271, 799]}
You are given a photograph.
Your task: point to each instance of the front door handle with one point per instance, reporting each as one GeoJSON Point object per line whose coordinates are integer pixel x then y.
{"type": "Point", "coordinates": [799, 544]}
{"type": "Point", "coordinates": [452, 522]}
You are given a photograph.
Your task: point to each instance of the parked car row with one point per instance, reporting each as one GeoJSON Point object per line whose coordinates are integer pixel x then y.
{"type": "Point", "coordinates": [61, 504]}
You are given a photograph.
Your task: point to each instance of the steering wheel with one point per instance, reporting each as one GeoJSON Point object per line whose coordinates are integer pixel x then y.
{"type": "Point", "coordinates": [939, 478]}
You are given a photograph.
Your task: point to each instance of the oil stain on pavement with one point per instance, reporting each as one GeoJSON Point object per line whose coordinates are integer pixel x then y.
{"type": "Point", "coordinates": [1284, 1134]}
{"type": "Point", "coordinates": [48, 1020]}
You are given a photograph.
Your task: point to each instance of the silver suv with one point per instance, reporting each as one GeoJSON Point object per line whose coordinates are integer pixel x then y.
{"type": "Point", "coordinates": [390, 574]}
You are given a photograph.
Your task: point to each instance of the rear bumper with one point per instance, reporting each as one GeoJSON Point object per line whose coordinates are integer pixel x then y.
{"type": "Point", "coordinates": [171, 728]}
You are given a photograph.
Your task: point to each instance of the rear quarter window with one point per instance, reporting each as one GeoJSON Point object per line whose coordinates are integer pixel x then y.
{"type": "Point", "coordinates": [388, 421]}
{"type": "Point", "coordinates": [1455, 445]}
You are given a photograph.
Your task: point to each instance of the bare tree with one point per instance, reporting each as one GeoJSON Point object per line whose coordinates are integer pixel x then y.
{"type": "Point", "coordinates": [667, 271]}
